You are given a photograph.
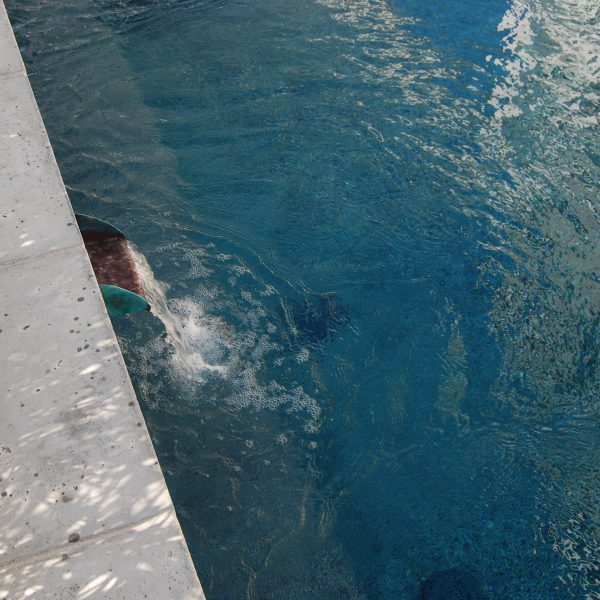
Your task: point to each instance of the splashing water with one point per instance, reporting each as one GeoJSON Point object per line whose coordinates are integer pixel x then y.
{"type": "Point", "coordinates": [225, 366]}
{"type": "Point", "coordinates": [192, 341]}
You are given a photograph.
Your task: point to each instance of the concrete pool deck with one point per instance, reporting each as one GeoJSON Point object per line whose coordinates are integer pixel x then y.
{"type": "Point", "coordinates": [84, 509]}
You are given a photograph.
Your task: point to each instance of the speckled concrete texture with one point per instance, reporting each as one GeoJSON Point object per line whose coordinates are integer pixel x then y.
{"type": "Point", "coordinates": [34, 209]}
{"type": "Point", "coordinates": [84, 509]}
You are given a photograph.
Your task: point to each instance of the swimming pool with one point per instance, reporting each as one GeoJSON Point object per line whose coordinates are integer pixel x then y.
{"type": "Point", "coordinates": [371, 231]}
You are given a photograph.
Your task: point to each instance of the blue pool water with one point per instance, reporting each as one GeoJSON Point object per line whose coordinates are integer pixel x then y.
{"type": "Point", "coordinates": [372, 234]}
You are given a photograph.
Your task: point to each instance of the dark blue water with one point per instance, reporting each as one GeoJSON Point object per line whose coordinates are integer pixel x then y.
{"type": "Point", "coordinates": [375, 229]}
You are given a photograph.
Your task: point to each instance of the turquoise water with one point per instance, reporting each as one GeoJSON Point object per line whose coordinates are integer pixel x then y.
{"type": "Point", "coordinates": [372, 238]}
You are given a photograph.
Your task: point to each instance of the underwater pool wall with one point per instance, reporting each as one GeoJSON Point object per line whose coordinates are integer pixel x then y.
{"type": "Point", "coordinates": [84, 509]}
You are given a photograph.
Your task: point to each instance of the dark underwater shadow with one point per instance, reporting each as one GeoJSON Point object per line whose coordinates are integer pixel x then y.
{"type": "Point", "coordinates": [451, 584]}
{"type": "Point", "coordinates": [314, 320]}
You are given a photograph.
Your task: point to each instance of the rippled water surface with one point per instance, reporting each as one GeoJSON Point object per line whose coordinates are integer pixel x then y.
{"type": "Point", "coordinates": [371, 228]}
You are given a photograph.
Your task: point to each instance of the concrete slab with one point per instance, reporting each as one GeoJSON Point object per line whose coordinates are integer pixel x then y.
{"type": "Point", "coordinates": [139, 562]}
{"type": "Point", "coordinates": [10, 57]}
{"type": "Point", "coordinates": [84, 509]}
{"type": "Point", "coordinates": [73, 452]}
{"type": "Point", "coordinates": [35, 212]}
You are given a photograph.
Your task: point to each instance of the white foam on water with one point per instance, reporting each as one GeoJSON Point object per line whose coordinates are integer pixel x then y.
{"type": "Point", "coordinates": [208, 359]}
{"type": "Point", "coordinates": [193, 343]}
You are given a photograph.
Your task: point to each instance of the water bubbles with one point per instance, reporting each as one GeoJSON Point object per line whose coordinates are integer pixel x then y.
{"type": "Point", "coordinates": [302, 356]}
{"type": "Point", "coordinates": [239, 270]}
{"type": "Point", "coordinates": [268, 291]}
{"type": "Point", "coordinates": [198, 266]}
{"type": "Point", "coordinates": [207, 358]}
